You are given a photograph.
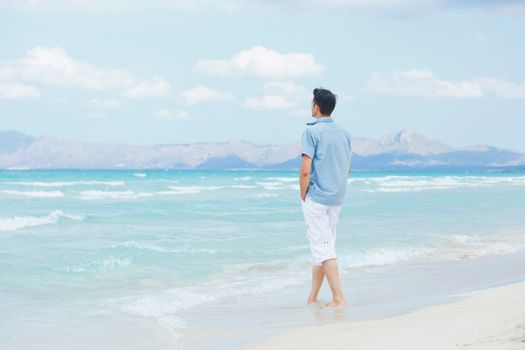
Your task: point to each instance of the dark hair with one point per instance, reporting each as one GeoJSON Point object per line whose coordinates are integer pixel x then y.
{"type": "Point", "coordinates": [325, 99]}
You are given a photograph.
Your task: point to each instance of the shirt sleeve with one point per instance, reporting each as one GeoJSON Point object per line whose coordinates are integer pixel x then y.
{"type": "Point", "coordinates": [308, 144]}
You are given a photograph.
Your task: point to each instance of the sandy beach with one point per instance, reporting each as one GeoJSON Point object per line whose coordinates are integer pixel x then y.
{"type": "Point", "coordinates": [491, 318]}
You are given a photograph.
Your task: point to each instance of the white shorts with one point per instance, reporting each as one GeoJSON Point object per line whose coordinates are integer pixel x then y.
{"type": "Point", "coordinates": [321, 221]}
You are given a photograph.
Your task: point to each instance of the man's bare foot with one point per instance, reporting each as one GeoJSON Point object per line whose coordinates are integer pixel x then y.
{"type": "Point", "coordinates": [334, 304]}
{"type": "Point", "coordinates": [311, 300]}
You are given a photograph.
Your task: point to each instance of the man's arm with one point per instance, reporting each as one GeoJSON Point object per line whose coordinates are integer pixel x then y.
{"type": "Point", "coordinates": [304, 175]}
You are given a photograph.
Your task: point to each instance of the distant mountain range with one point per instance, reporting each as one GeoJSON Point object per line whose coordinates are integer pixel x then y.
{"type": "Point", "coordinates": [405, 150]}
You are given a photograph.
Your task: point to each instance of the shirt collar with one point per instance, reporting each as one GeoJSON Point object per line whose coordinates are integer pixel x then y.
{"type": "Point", "coordinates": [320, 120]}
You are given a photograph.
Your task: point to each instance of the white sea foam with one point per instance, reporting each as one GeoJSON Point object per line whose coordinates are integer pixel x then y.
{"type": "Point", "coordinates": [283, 179]}
{"type": "Point", "coordinates": [157, 248]}
{"type": "Point", "coordinates": [66, 183]}
{"type": "Point", "coordinates": [35, 194]}
{"type": "Point", "coordinates": [96, 194]}
{"type": "Point", "coordinates": [242, 178]}
{"type": "Point", "coordinates": [243, 186]}
{"type": "Point", "coordinates": [107, 264]}
{"type": "Point", "coordinates": [422, 183]}
{"type": "Point", "coordinates": [174, 190]}
{"type": "Point", "coordinates": [139, 175]}
{"type": "Point", "coordinates": [278, 185]}
{"type": "Point", "coordinates": [194, 189]}
{"type": "Point", "coordinates": [20, 222]}
{"type": "Point", "coordinates": [112, 262]}
{"type": "Point", "coordinates": [385, 256]}
{"type": "Point", "coordinates": [251, 279]}
{"type": "Point", "coordinates": [271, 185]}
{"type": "Point", "coordinates": [165, 305]}
{"type": "Point", "coordinates": [476, 246]}
{"type": "Point", "coordinates": [456, 247]}
{"type": "Point", "coordinates": [199, 189]}
{"type": "Point", "coordinates": [265, 195]}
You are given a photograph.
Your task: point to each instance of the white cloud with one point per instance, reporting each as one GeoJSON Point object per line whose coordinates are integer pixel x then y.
{"type": "Point", "coordinates": [106, 103]}
{"type": "Point", "coordinates": [417, 82]}
{"type": "Point", "coordinates": [279, 94]}
{"type": "Point", "coordinates": [155, 87]}
{"type": "Point", "coordinates": [52, 66]}
{"type": "Point", "coordinates": [169, 115]}
{"type": "Point", "coordinates": [204, 94]}
{"type": "Point", "coordinates": [503, 88]}
{"type": "Point", "coordinates": [13, 91]}
{"type": "Point", "coordinates": [264, 62]}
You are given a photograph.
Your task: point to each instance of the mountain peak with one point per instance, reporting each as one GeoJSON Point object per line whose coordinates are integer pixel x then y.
{"type": "Point", "coordinates": [405, 140]}
{"type": "Point", "coordinates": [12, 140]}
{"type": "Point", "coordinates": [405, 135]}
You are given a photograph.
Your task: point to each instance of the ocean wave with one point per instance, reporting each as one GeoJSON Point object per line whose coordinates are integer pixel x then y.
{"type": "Point", "coordinates": [283, 179]}
{"type": "Point", "coordinates": [157, 248]}
{"type": "Point", "coordinates": [199, 189]}
{"type": "Point", "coordinates": [165, 305]}
{"type": "Point", "coordinates": [384, 256]}
{"type": "Point", "coordinates": [96, 194]}
{"type": "Point", "coordinates": [243, 186]}
{"type": "Point", "coordinates": [244, 280]}
{"type": "Point", "coordinates": [35, 194]}
{"type": "Point", "coordinates": [393, 183]}
{"type": "Point", "coordinates": [455, 247]}
{"type": "Point", "coordinates": [139, 175]}
{"type": "Point", "coordinates": [66, 183]}
{"type": "Point", "coordinates": [271, 185]}
{"type": "Point", "coordinates": [277, 185]}
{"type": "Point", "coordinates": [265, 195]}
{"type": "Point", "coordinates": [109, 263]}
{"type": "Point", "coordinates": [174, 190]}
{"type": "Point", "coordinates": [20, 222]}
{"type": "Point", "coordinates": [194, 189]}
{"type": "Point", "coordinates": [476, 246]}
{"type": "Point", "coordinates": [242, 178]}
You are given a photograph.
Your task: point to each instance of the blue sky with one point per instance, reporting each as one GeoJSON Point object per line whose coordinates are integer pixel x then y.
{"type": "Point", "coordinates": [145, 72]}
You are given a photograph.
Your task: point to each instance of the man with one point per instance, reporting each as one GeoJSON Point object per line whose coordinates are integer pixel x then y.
{"type": "Point", "coordinates": [326, 155]}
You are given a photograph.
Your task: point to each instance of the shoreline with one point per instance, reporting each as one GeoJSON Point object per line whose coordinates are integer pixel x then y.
{"type": "Point", "coordinates": [374, 293]}
{"type": "Point", "coordinates": [488, 318]}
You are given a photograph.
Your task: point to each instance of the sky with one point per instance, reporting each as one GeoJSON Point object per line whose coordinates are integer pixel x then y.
{"type": "Point", "coordinates": [179, 71]}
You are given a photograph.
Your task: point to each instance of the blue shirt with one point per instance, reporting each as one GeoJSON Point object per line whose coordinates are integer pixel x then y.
{"type": "Point", "coordinates": [328, 145]}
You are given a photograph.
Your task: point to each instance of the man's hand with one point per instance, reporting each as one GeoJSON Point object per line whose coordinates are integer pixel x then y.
{"type": "Point", "coordinates": [304, 175]}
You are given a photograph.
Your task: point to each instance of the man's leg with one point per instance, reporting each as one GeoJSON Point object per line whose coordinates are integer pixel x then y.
{"type": "Point", "coordinates": [331, 269]}
{"type": "Point", "coordinates": [317, 281]}
{"type": "Point", "coordinates": [314, 217]}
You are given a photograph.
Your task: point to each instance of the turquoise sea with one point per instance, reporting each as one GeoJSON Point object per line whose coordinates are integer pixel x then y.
{"type": "Point", "coordinates": [159, 259]}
